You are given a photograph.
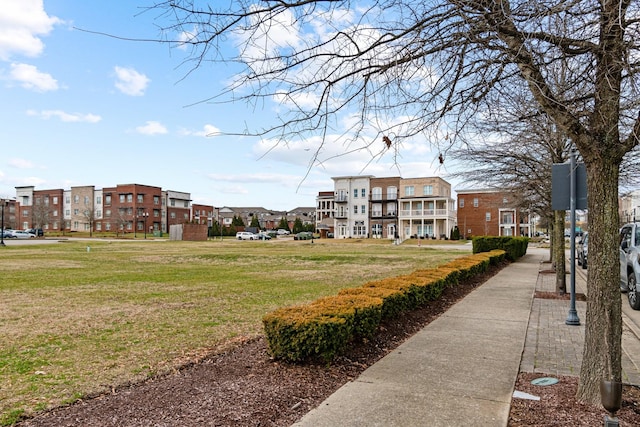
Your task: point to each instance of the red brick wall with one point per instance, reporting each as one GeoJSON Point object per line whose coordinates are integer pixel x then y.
{"type": "Point", "coordinates": [194, 232]}
{"type": "Point", "coordinates": [472, 219]}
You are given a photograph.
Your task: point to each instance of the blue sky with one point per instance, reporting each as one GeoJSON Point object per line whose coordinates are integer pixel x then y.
{"type": "Point", "coordinates": [81, 108]}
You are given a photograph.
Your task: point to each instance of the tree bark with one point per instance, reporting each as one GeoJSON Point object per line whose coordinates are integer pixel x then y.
{"type": "Point", "coordinates": [603, 337]}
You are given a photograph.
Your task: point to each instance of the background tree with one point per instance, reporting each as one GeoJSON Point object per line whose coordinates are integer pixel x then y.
{"type": "Point", "coordinates": [237, 221]}
{"type": "Point", "coordinates": [515, 150]}
{"type": "Point", "coordinates": [89, 215]}
{"type": "Point", "coordinates": [254, 222]}
{"type": "Point", "coordinates": [41, 213]}
{"type": "Point", "coordinates": [297, 226]}
{"type": "Point", "coordinates": [283, 224]}
{"type": "Point", "coordinates": [405, 68]}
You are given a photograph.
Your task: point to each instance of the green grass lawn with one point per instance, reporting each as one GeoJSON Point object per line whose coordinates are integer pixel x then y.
{"type": "Point", "coordinates": [75, 322]}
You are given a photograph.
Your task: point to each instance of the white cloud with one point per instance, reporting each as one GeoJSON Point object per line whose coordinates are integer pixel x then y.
{"type": "Point", "coordinates": [185, 37]}
{"type": "Point", "coordinates": [207, 131]}
{"type": "Point", "coordinates": [20, 163]}
{"type": "Point", "coordinates": [131, 82]}
{"type": "Point", "coordinates": [32, 79]}
{"type": "Point", "coordinates": [21, 24]}
{"type": "Point", "coordinates": [152, 128]}
{"type": "Point", "coordinates": [66, 117]}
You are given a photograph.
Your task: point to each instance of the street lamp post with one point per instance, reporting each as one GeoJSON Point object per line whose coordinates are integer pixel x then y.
{"type": "Point", "coordinates": [2, 226]}
{"type": "Point", "coordinates": [144, 217]}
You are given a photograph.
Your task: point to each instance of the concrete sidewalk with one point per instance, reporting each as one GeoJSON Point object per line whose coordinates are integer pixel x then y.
{"type": "Point", "coordinates": [459, 370]}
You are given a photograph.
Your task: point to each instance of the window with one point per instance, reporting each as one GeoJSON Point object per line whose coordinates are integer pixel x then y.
{"type": "Point", "coordinates": [173, 215]}
{"type": "Point", "coordinates": [122, 198]}
{"type": "Point", "coordinates": [107, 213]}
{"type": "Point", "coordinates": [55, 200]}
{"type": "Point", "coordinates": [67, 212]}
{"type": "Point", "coordinates": [392, 193]}
{"type": "Point", "coordinates": [355, 209]}
{"type": "Point", "coordinates": [76, 199]}
{"type": "Point", "coordinates": [186, 216]}
{"type": "Point", "coordinates": [98, 200]}
{"type": "Point", "coordinates": [487, 216]}
{"type": "Point", "coordinates": [140, 198]}
{"type": "Point", "coordinates": [25, 212]}
{"type": "Point", "coordinates": [409, 190]}
{"type": "Point", "coordinates": [98, 214]}
{"type": "Point", "coordinates": [86, 200]}
{"type": "Point", "coordinates": [156, 213]}
{"type": "Point", "coordinates": [173, 202]}
{"type": "Point", "coordinates": [427, 190]}
{"type": "Point", "coordinates": [504, 200]}
{"type": "Point", "coordinates": [355, 192]}
{"type": "Point", "coordinates": [55, 213]}
{"type": "Point", "coordinates": [107, 226]}
{"type": "Point", "coordinates": [376, 193]}
{"type": "Point", "coordinates": [186, 203]}
{"type": "Point", "coordinates": [462, 203]}
{"type": "Point", "coordinates": [67, 200]}
{"type": "Point", "coordinates": [156, 200]}
{"type": "Point", "coordinates": [76, 211]}
{"type": "Point", "coordinates": [363, 209]}
{"type": "Point", "coordinates": [475, 202]}
{"type": "Point", "coordinates": [107, 200]}
{"type": "Point", "coordinates": [363, 192]}
{"type": "Point", "coordinates": [98, 226]}
{"type": "Point", "coordinates": [129, 198]}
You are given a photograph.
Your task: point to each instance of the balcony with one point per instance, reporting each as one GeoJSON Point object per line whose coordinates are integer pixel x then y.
{"type": "Point", "coordinates": [341, 198]}
{"type": "Point", "coordinates": [340, 215]}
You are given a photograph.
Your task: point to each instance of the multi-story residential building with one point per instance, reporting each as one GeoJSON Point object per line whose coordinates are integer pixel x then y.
{"type": "Point", "coordinates": [383, 207]}
{"type": "Point", "coordinates": [177, 206]}
{"type": "Point", "coordinates": [325, 211]}
{"type": "Point", "coordinates": [427, 208]}
{"type": "Point", "coordinates": [38, 209]}
{"type": "Point", "coordinates": [202, 214]}
{"type": "Point", "coordinates": [629, 207]}
{"type": "Point", "coordinates": [9, 209]}
{"type": "Point", "coordinates": [491, 212]}
{"type": "Point", "coordinates": [351, 198]}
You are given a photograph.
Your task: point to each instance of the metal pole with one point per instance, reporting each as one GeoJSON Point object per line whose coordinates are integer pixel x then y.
{"type": "Point", "coordinates": [572, 318]}
{"type": "Point", "coordinates": [2, 228]}
{"type": "Point", "coordinates": [146, 214]}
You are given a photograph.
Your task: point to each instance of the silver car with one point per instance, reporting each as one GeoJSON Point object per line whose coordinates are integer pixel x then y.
{"type": "Point", "coordinates": [629, 263]}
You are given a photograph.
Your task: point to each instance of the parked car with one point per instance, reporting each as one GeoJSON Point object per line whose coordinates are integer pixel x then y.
{"type": "Point", "coordinates": [263, 235]}
{"type": "Point", "coordinates": [7, 234]}
{"type": "Point", "coordinates": [20, 234]}
{"type": "Point", "coordinates": [303, 235]}
{"type": "Point", "coordinates": [282, 232]}
{"type": "Point", "coordinates": [37, 231]}
{"type": "Point", "coordinates": [582, 250]}
{"type": "Point", "coordinates": [245, 235]}
{"type": "Point", "coordinates": [629, 266]}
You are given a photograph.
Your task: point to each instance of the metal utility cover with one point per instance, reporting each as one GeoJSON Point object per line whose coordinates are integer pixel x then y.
{"type": "Point", "coordinates": [544, 381]}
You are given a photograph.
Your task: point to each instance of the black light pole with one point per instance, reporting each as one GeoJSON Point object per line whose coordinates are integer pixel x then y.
{"type": "Point", "coordinates": [144, 216]}
{"type": "Point", "coordinates": [2, 227]}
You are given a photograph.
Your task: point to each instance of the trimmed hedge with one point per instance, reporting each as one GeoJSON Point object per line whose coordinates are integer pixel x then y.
{"type": "Point", "coordinates": [324, 328]}
{"type": "Point", "coordinates": [515, 247]}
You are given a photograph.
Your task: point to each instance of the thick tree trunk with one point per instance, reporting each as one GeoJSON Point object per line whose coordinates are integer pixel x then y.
{"type": "Point", "coordinates": [603, 348]}
{"type": "Point", "coordinates": [559, 252]}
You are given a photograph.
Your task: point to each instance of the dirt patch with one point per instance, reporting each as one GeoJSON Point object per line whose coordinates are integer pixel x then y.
{"type": "Point", "coordinates": [556, 295]}
{"type": "Point", "coordinates": [558, 406]}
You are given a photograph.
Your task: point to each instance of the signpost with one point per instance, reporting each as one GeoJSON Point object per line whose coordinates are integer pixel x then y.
{"type": "Point", "coordinates": [569, 192]}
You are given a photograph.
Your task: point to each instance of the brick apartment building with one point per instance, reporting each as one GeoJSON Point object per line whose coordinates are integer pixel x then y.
{"type": "Point", "coordinates": [130, 208]}
{"type": "Point", "coordinates": [490, 212]}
